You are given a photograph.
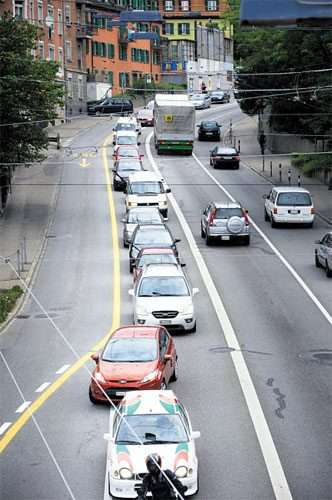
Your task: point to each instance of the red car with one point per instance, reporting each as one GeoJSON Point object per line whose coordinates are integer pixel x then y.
{"type": "Point", "coordinates": [126, 152]}
{"type": "Point", "coordinates": [134, 358]}
{"type": "Point", "coordinates": [153, 256]}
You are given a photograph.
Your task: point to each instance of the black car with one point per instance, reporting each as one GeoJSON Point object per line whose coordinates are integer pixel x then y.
{"type": "Point", "coordinates": [122, 169]}
{"type": "Point", "coordinates": [219, 96]}
{"type": "Point", "coordinates": [113, 105]}
{"type": "Point", "coordinates": [224, 157]}
{"type": "Point", "coordinates": [209, 129]}
{"type": "Point", "coordinates": [150, 235]}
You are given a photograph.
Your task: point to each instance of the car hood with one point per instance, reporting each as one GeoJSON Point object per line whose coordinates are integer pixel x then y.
{"type": "Point", "coordinates": [134, 456]}
{"type": "Point", "coordinates": [130, 372]}
{"type": "Point", "coordinates": [150, 304]}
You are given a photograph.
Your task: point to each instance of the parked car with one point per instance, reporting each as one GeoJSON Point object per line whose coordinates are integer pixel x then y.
{"type": "Point", "coordinates": [126, 152]}
{"type": "Point", "coordinates": [122, 169]}
{"type": "Point", "coordinates": [147, 189]}
{"type": "Point", "coordinates": [209, 129]}
{"type": "Point", "coordinates": [153, 255]}
{"type": "Point", "coordinates": [289, 205]}
{"type": "Point", "coordinates": [200, 101]}
{"type": "Point", "coordinates": [92, 104]}
{"type": "Point", "coordinates": [134, 358]}
{"type": "Point", "coordinates": [163, 296]}
{"type": "Point", "coordinates": [225, 222]}
{"type": "Point", "coordinates": [113, 105]}
{"type": "Point", "coordinates": [221, 156]}
{"type": "Point", "coordinates": [150, 235]}
{"type": "Point", "coordinates": [323, 253]}
{"type": "Point", "coordinates": [139, 216]}
{"type": "Point", "coordinates": [126, 138]}
{"type": "Point", "coordinates": [219, 96]}
{"type": "Point", "coordinates": [145, 117]}
{"type": "Point", "coordinates": [159, 422]}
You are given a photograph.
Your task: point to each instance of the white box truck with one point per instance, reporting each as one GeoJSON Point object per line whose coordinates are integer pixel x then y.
{"type": "Point", "coordinates": [174, 123]}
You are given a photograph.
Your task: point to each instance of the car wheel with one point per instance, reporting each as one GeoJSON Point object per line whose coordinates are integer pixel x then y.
{"type": "Point", "coordinates": [208, 240]}
{"type": "Point", "coordinates": [328, 270]}
{"type": "Point", "coordinates": [116, 186]}
{"type": "Point", "coordinates": [130, 267]}
{"type": "Point", "coordinates": [92, 399]}
{"type": "Point", "coordinates": [202, 231]}
{"type": "Point", "coordinates": [266, 217]}
{"type": "Point", "coordinates": [317, 263]}
{"type": "Point", "coordinates": [237, 166]}
{"type": "Point", "coordinates": [175, 374]}
{"type": "Point", "coordinates": [125, 244]}
{"type": "Point", "coordinates": [218, 137]}
{"type": "Point", "coordinates": [211, 163]}
{"type": "Point", "coordinates": [310, 224]}
{"type": "Point", "coordinates": [193, 330]}
{"type": "Point", "coordinates": [273, 222]}
{"type": "Point", "coordinates": [164, 213]}
{"type": "Point", "coordinates": [163, 385]}
{"type": "Point", "coordinates": [246, 240]}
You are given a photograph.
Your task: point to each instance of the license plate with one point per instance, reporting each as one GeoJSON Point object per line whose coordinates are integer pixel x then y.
{"type": "Point", "coordinates": [120, 393]}
{"type": "Point", "coordinates": [165, 322]}
{"type": "Point", "coordinates": [294, 212]}
{"type": "Point", "coordinates": [209, 133]}
{"type": "Point", "coordinates": [226, 238]}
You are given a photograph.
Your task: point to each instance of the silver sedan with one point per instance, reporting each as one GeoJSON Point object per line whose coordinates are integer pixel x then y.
{"type": "Point", "coordinates": [323, 253]}
{"type": "Point", "coordinates": [139, 215]}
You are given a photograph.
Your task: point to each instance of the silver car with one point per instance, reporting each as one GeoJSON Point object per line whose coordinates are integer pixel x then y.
{"type": "Point", "coordinates": [323, 253]}
{"type": "Point", "coordinates": [225, 222]}
{"type": "Point", "coordinates": [139, 215]}
{"type": "Point", "coordinates": [200, 101]}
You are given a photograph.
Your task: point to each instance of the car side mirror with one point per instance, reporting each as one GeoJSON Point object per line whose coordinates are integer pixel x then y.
{"type": "Point", "coordinates": [131, 292]}
{"type": "Point", "coordinates": [168, 190]}
{"type": "Point", "coordinates": [138, 143]}
{"type": "Point", "coordinates": [113, 129]}
{"type": "Point", "coordinates": [114, 143]}
{"type": "Point", "coordinates": [95, 357]}
{"type": "Point", "coordinates": [124, 220]}
{"type": "Point", "coordinates": [141, 156]}
{"type": "Point", "coordinates": [125, 190]}
{"type": "Point", "coordinates": [265, 196]}
{"type": "Point", "coordinates": [195, 291]}
{"type": "Point", "coordinates": [177, 240]}
{"type": "Point", "coordinates": [114, 170]}
{"type": "Point", "coordinates": [196, 435]}
{"type": "Point", "coordinates": [183, 264]}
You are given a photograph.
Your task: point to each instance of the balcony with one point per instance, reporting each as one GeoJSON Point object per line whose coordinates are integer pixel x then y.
{"type": "Point", "coordinates": [84, 32]}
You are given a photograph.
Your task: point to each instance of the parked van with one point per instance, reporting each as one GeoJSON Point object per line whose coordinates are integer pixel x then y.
{"type": "Point", "coordinates": [147, 189]}
{"type": "Point", "coordinates": [289, 204]}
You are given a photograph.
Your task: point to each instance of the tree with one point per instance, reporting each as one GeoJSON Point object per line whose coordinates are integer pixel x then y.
{"type": "Point", "coordinates": [29, 93]}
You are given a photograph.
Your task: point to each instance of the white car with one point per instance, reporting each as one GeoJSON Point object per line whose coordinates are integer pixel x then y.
{"type": "Point", "coordinates": [163, 296]}
{"type": "Point", "coordinates": [150, 422]}
{"type": "Point", "coordinates": [200, 101]}
{"type": "Point", "coordinates": [147, 189]}
{"type": "Point", "coordinates": [125, 138]}
{"type": "Point", "coordinates": [288, 204]}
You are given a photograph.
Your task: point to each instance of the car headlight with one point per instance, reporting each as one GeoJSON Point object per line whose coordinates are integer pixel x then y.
{"type": "Point", "coordinates": [181, 471]}
{"type": "Point", "coordinates": [99, 377]}
{"type": "Point", "coordinates": [125, 473]}
{"type": "Point", "coordinates": [150, 376]}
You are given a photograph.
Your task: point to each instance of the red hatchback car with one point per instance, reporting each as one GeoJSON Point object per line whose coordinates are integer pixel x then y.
{"type": "Point", "coordinates": [134, 358]}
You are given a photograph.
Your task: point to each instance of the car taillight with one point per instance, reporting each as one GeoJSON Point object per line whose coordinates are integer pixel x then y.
{"type": "Point", "coordinates": [245, 215]}
{"type": "Point", "coordinates": [312, 211]}
{"type": "Point", "coordinates": [212, 216]}
{"type": "Point", "coordinates": [275, 210]}
{"type": "Point", "coordinates": [236, 158]}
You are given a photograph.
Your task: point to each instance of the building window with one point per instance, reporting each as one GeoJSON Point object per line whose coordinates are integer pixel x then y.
{"type": "Point", "coordinates": [124, 79]}
{"type": "Point", "coordinates": [211, 5]}
{"type": "Point", "coordinates": [168, 29]}
{"type": "Point", "coordinates": [184, 29]}
{"type": "Point", "coordinates": [60, 57]}
{"type": "Point", "coordinates": [122, 53]}
{"type": "Point", "coordinates": [80, 87]}
{"type": "Point", "coordinates": [169, 5]}
{"type": "Point", "coordinates": [110, 77]}
{"type": "Point", "coordinates": [184, 5]}
{"type": "Point", "coordinates": [70, 85]}
{"type": "Point", "coordinates": [60, 22]}
{"type": "Point", "coordinates": [19, 11]}
{"type": "Point", "coordinates": [68, 51]}
{"type": "Point", "coordinates": [68, 15]}
{"type": "Point", "coordinates": [110, 51]}
{"type": "Point", "coordinates": [40, 12]}
{"type": "Point", "coordinates": [31, 11]}
{"type": "Point", "coordinates": [41, 52]}
{"type": "Point", "coordinates": [51, 53]}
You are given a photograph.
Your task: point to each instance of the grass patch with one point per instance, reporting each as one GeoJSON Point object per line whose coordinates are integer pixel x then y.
{"type": "Point", "coordinates": [8, 300]}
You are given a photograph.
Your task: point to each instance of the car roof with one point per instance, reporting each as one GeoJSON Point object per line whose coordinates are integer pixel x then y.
{"type": "Point", "coordinates": [226, 151]}
{"type": "Point", "coordinates": [290, 189]}
{"type": "Point", "coordinates": [143, 209]}
{"type": "Point", "coordinates": [126, 133]}
{"type": "Point", "coordinates": [145, 175]}
{"type": "Point", "coordinates": [155, 251]}
{"type": "Point", "coordinates": [152, 227]}
{"type": "Point", "coordinates": [149, 402]}
{"type": "Point", "coordinates": [203, 122]}
{"type": "Point", "coordinates": [221, 204]}
{"type": "Point", "coordinates": [163, 270]}
{"type": "Point", "coordinates": [135, 331]}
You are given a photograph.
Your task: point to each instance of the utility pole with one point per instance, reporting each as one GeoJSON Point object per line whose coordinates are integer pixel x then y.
{"type": "Point", "coordinates": [64, 58]}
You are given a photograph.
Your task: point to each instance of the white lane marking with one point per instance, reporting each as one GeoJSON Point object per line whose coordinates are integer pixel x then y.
{"type": "Point", "coordinates": [62, 369]}
{"type": "Point", "coordinates": [269, 451]}
{"type": "Point", "coordinates": [290, 268]}
{"type": "Point", "coordinates": [42, 387]}
{"type": "Point", "coordinates": [23, 407]}
{"type": "Point", "coordinates": [4, 427]}
{"type": "Point", "coordinates": [108, 454]}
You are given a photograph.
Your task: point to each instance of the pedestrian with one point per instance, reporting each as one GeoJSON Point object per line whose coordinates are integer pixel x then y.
{"type": "Point", "coordinates": [203, 88]}
{"type": "Point", "coordinates": [262, 142]}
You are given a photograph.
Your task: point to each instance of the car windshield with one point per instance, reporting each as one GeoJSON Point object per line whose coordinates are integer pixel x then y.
{"type": "Point", "coordinates": [127, 153]}
{"type": "Point", "coordinates": [165, 286]}
{"type": "Point", "coordinates": [294, 199]}
{"type": "Point", "coordinates": [158, 258]}
{"type": "Point", "coordinates": [150, 187]}
{"type": "Point", "coordinates": [151, 429]}
{"type": "Point", "coordinates": [209, 125]}
{"type": "Point", "coordinates": [197, 97]}
{"type": "Point", "coordinates": [129, 165]}
{"type": "Point", "coordinates": [130, 350]}
{"type": "Point", "coordinates": [125, 126]}
{"type": "Point", "coordinates": [153, 238]}
{"type": "Point", "coordinates": [227, 213]}
{"type": "Point", "coordinates": [217, 93]}
{"type": "Point", "coordinates": [139, 216]}
{"type": "Point", "coordinates": [126, 139]}
{"type": "Point", "coordinates": [228, 152]}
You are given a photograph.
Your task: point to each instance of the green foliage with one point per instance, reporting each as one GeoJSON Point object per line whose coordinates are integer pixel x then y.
{"type": "Point", "coordinates": [8, 299]}
{"type": "Point", "coordinates": [29, 92]}
{"type": "Point", "coordinates": [308, 164]}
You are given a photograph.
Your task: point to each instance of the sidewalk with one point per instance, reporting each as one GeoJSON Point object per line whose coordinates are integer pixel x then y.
{"type": "Point", "coordinates": [246, 131]}
{"type": "Point", "coordinates": [31, 206]}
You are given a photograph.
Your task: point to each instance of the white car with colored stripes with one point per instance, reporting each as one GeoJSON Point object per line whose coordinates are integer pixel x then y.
{"type": "Point", "coordinates": [150, 422]}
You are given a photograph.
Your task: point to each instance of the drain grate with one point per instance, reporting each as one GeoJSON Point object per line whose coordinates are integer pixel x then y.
{"type": "Point", "coordinates": [22, 316]}
{"type": "Point", "coordinates": [321, 357]}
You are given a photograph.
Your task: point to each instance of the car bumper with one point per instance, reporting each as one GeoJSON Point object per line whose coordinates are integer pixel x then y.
{"type": "Point", "coordinates": [226, 163]}
{"type": "Point", "coordinates": [223, 234]}
{"type": "Point", "coordinates": [116, 392]}
{"type": "Point", "coordinates": [123, 488]}
{"type": "Point", "coordinates": [184, 322]}
{"type": "Point", "coordinates": [293, 219]}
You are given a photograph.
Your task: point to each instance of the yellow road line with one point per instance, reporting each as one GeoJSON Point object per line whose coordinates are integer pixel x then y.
{"type": "Point", "coordinates": [25, 417]}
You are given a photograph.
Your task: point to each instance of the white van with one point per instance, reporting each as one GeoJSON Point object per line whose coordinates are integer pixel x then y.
{"type": "Point", "coordinates": [147, 189]}
{"type": "Point", "coordinates": [289, 204]}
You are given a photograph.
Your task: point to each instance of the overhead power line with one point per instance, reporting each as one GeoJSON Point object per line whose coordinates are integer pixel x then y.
{"type": "Point", "coordinates": [285, 72]}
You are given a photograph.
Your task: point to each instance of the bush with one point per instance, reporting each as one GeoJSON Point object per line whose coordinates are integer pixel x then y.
{"type": "Point", "coordinates": [309, 164]}
{"type": "Point", "coordinates": [8, 300]}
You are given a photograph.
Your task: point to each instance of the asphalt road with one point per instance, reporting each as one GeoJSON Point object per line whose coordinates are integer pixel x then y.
{"type": "Point", "coordinates": [276, 323]}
